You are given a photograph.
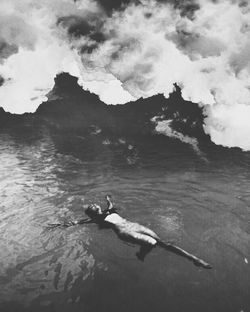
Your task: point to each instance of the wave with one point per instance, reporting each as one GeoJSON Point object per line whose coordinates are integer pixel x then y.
{"type": "Point", "coordinates": [69, 108]}
{"type": "Point", "coordinates": [129, 50]}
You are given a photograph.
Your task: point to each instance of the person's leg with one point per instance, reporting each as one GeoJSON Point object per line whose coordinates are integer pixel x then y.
{"type": "Point", "coordinates": [144, 251]}
{"type": "Point", "coordinates": [144, 239]}
{"type": "Point", "coordinates": [179, 251]}
{"type": "Point", "coordinates": [146, 231]}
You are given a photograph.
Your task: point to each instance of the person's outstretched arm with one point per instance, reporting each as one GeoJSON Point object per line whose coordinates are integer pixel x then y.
{"type": "Point", "coordinates": [70, 223]}
{"type": "Point", "coordinates": [83, 221]}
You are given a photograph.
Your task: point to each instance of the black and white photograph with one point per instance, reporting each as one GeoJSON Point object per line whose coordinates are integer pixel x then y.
{"type": "Point", "coordinates": [124, 155]}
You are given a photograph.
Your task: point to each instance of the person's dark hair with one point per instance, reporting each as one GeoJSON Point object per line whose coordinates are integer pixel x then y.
{"type": "Point", "coordinates": [93, 210]}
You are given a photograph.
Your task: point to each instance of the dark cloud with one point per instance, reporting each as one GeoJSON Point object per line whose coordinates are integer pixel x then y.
{"type": "Point", "coordinates": [75, 25]}
{"type": "Point", "coordinates": [1, 80]}
{"type": "Point", "coordinates": [110, 5]}
{"type": "Point", "coordinates": [148, 15]}
{"type": "Point", "coordinates": [187, 7]}
{"type": "Point", "coordinates": [7, 49]}
{"type": "Point", "coordinates": [78, 26]}
{"type": "Point", "coordinates": [97, 36]}
{"type": "Point", "coordinates": [88, 48]}
{"type": "Point", "coordinates": [243, 3]}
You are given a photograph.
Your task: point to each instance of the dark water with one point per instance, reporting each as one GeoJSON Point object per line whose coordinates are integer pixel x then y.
{"type": "Point", "coordinates": [199, 200]}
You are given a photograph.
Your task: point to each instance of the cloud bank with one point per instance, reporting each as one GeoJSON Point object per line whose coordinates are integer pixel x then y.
{"type": "Point", "coordinates": [126, 50]}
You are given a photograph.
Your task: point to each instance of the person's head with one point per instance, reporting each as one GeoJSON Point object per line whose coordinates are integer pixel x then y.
{"type": "Point", "coordinates": [93, 210]}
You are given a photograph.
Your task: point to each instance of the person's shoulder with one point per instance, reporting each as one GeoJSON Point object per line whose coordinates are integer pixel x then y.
{"type": "Point", "coordinates": [112, 210]}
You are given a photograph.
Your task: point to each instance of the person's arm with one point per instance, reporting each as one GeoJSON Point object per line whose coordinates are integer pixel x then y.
{"type": "Point", "coordinates": [70, 223]}
{"type": "Point", "coordinates": [76, 222]}
{"type": "Point", "coordinates": [109, 202]}
{"type": "Point", "coordinates": [83, 221]}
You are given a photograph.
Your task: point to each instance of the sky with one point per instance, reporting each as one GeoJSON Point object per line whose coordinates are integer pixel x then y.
{"type": "Point", "coordinates": [125, 50]}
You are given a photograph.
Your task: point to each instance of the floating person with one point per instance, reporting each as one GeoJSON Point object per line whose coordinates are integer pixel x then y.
{"type": "Point", "coordinates": [130, 231]}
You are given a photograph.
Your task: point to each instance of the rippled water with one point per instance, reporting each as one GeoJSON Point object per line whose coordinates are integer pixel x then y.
{"type": "Point", "coordinates": [201, 201]}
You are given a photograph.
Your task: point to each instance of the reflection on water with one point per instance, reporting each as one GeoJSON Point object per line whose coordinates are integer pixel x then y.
{"type": "Point", "coordinates": [202, 205]}
{"type": "Point", "coordinates": [35, 262]}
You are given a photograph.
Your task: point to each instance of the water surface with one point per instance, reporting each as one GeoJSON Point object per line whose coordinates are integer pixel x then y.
{"type": "Point", "coordinates": [199, 200]}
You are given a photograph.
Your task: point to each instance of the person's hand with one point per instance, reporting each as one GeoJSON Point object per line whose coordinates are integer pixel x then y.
{"type": "Point", "coordinates": [108, 197]}
{"type": "Point", "coordinates": [69, 223]}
